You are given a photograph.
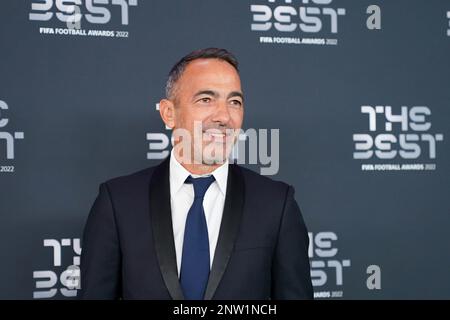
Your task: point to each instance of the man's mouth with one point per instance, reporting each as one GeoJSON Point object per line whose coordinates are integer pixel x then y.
{"type": "Point", "coordinates": [216, 135]}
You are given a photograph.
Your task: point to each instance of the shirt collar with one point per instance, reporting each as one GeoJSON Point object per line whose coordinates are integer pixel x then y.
{"type": "Point", "coordinates": [178, 175]}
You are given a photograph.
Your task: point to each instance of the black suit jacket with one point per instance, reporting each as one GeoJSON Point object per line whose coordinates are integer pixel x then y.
{"type": "Point", "coordinates": [129, 252]}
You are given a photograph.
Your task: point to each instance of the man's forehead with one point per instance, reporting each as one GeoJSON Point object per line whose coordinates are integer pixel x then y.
{"type": "Point", "coordinates": [211, 65]}
{"type": "Point", "coordinates": [210, 74]}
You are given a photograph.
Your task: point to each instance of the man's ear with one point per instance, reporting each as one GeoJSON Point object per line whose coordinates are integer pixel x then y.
{"type": "Point", "coordinates": [167, 112]}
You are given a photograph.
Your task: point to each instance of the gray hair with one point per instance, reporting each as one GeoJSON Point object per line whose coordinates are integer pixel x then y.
{"type": "Point", "coordinates": [208, 53]}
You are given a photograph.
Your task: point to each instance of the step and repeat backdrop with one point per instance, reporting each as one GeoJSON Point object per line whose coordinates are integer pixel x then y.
{"type": "Point", "coordinates": [353, 98]}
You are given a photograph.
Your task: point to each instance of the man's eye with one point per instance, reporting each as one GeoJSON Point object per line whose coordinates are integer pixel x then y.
{"type": "Point", "coordinates": [205, 100]}
{"type": "Point", "coordinates": [236, 103]}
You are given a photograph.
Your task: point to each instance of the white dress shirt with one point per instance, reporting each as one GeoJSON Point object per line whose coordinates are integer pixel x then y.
{"type": "Point", "coordinates": [182, 197]}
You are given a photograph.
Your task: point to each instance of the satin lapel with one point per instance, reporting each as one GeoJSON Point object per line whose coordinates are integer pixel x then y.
{"type": "Point", "coordinates": [161, 219]}
{"type": "Point", "coordinates": [229, 228]}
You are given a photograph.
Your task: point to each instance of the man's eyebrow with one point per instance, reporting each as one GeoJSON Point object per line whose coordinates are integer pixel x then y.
{"type": "Point", "coordinates": [206, 92]}
{"type": "Point", "coordinates": [215, 94]}
{"type": "Point", "coordinates": [236, 94]}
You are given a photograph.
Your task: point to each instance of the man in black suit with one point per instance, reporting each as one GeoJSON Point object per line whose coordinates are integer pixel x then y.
{"type": "Point", "coordinates": [195, 226]}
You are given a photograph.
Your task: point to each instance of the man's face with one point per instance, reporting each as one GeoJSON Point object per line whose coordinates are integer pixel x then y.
{"type": "Point", "coordinates": [208, 103]}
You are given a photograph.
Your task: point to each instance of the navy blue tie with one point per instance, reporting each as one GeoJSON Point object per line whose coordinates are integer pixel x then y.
{"type": "Point", "coordinates": [195, 259]}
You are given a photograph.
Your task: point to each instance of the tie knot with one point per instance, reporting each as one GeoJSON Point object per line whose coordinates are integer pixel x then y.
{"type": "Point", "coordinates": [200, 185]}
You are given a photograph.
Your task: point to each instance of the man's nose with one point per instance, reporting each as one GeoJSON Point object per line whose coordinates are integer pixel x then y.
{"type": "Point", "coordinates": [222, 113]}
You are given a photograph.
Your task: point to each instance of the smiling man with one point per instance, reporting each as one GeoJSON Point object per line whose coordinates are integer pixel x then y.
{"type": "Point", "coordinates": [196, 227]}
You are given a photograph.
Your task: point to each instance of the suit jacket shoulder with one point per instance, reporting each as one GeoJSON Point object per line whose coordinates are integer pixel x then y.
{"type": "Point", "coordinates": [131, 181]}
{"type": "Point", "coordinates": [263, 182]}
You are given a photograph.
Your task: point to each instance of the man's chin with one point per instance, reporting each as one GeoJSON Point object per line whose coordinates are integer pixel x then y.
{"type": "Point", "coordinates": [214, 160]}
{"type": "Point", "coordinates": [216, 154]}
